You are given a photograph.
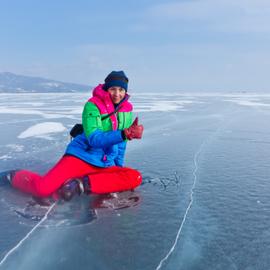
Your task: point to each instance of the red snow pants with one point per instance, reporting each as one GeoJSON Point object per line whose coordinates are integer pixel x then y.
{"type": "Point", "coordinates": [101, 180]}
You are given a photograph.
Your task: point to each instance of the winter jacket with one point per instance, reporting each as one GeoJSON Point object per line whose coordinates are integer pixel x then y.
{"type": "Point", "coordinates": [101, 144]}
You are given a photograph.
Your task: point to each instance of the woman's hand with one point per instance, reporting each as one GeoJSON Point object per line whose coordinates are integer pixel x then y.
{"type": "Point", "coordinates": [135, 131]}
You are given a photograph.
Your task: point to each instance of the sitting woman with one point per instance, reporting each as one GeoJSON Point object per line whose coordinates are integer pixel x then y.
{"type": "Point", "coordinates": [93, 161]}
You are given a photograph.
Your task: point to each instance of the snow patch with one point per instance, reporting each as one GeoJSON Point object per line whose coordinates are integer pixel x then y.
{"type": "Point", "coordinates": [162, 105]}
{"type": "Point", "coordinates": [249, 103]}
{"type": "Point", "coordinates": [30, 112]}
{"type": "Point", "coordinates": [5, 157]}
{"type": "Point", "coordinates": [42, 130]}
{"type": "Point", "coordinates": [16, 147]}
{"type": "Point", "coordinates": [52, 84]}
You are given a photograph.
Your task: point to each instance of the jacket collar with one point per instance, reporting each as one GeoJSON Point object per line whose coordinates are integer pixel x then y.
{"type": "Point", "coordinates": [102, 99]}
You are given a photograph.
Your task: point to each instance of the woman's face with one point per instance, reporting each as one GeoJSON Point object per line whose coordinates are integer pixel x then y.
{"type": "Point", "coordinates": [117, 94]}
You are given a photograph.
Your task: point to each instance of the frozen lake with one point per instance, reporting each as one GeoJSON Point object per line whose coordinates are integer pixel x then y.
{"type": "Point", "coordinates": [204, 202]}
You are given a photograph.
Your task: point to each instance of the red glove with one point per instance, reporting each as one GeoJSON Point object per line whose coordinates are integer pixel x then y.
{"type": "Point", "coordinates": [135, 131]}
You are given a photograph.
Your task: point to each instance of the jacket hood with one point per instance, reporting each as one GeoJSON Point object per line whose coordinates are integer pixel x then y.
{"type": "Point", "coordinates": [102, 100]}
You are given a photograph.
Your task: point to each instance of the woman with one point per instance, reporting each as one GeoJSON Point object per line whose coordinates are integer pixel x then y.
{"type": "Point", "coordinates": [93, 161]}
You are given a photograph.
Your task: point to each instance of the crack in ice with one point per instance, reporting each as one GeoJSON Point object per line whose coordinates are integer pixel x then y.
{"type": "Point", "coordinates": [195, 159]}
{"type": "Point", "coordinates": [27, 235]}
{"type": "Point", "coordinates": [188, 208]}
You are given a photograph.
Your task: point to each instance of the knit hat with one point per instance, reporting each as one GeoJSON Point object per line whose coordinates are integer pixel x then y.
{"type": "Point", "coordinates": [116, 78]}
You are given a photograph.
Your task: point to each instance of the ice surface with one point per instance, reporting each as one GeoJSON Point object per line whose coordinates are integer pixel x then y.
{"type": "Point", "coordinates": [204, 202]}
{"type": "Point", "coordinates": [249, 102]}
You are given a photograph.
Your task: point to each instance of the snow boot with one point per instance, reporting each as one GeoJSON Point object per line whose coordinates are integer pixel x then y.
{"type": "Point", "coordinates": [6, 177]}
{"type": "Point", "coordinates": [72, 187]}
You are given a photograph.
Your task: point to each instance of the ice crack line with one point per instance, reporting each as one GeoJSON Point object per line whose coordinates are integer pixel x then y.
{"type": "Point", "coordinates": [27, 235]}
{"type": "Point", "coordinates": [195, 161]}
{"type": "Point", "coordinates": [188, 207]}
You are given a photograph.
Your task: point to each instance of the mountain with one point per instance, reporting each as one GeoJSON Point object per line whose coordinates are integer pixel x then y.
{"type": "Point", "coordinates": [13, 83]}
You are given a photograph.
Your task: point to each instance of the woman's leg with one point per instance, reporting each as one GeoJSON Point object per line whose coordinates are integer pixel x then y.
{"type": "Point", "coordinates": [101, 180]}
{"type": "Point", "coordinates": [114, 179]}
{"type": "Point", "coordinates": [42, 186]}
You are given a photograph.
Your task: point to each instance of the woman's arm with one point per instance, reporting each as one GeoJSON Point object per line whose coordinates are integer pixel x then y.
{"type": "Point", "coordinates": [119, 161]}
{"type": "Point", "coordinates": [93, 128]}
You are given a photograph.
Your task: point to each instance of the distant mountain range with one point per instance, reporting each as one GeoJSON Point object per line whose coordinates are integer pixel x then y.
{"type": "Point", "coordinates": [13, 83]}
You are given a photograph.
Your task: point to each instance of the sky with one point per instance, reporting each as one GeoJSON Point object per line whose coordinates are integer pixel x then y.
{"type": "Point", "coordinates": [163, 46]}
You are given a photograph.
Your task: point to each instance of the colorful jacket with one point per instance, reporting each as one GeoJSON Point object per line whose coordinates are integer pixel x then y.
{"type": "Point", "coordinates": [101, 144]}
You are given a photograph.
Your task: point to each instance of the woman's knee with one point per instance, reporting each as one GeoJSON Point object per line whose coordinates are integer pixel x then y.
{"type": "Point", "coordinates": [136, 178]}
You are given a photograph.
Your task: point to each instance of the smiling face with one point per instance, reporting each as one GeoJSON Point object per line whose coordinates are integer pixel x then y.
{"type": "Point", "coordinates": [116, 93]}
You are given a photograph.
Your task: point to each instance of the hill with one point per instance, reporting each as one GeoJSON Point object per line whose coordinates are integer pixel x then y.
{"type": "Point", "coordinates": [13, 83]}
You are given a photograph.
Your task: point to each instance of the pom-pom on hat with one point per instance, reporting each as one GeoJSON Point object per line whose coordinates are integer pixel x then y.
{"type": "Point", "coordinates": [116, 78]}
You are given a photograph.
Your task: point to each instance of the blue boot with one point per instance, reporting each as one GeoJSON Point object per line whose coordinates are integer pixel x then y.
{"type": "Point", "coordinates": [6, 177]}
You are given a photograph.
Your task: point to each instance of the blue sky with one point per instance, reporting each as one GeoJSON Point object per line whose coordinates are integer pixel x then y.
{"type": "Point", "coordinates": [189, 45]}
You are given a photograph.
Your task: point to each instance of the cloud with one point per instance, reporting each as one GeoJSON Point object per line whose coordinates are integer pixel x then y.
{"type": "Point", "coordinates": [223, 15]}
{"type": "Point", "coordinates": [99, 59]}
{"type": "Point", "coordinates": [182, 10]}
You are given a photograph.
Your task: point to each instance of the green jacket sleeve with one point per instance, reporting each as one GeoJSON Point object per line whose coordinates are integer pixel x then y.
{"type": "Point", "coordinates": [91, 118]}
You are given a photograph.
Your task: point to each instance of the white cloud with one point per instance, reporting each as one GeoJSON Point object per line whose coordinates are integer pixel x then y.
{"type": "Point", "coordinates": [222, 15]}
{"type": "Point", "coordinates": [100, 59]}
{"type": "Point", "coordinates": [182, 10]}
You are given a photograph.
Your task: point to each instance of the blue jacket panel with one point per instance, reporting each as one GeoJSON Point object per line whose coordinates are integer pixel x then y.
{"type": "Point", "coordinates": [101, 149]}
{"type": "Point", "coordinates": [119, 160]}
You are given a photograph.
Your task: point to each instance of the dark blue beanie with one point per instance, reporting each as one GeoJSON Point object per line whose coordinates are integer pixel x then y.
{"type": "Point", "coordinates": [116, 78]}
